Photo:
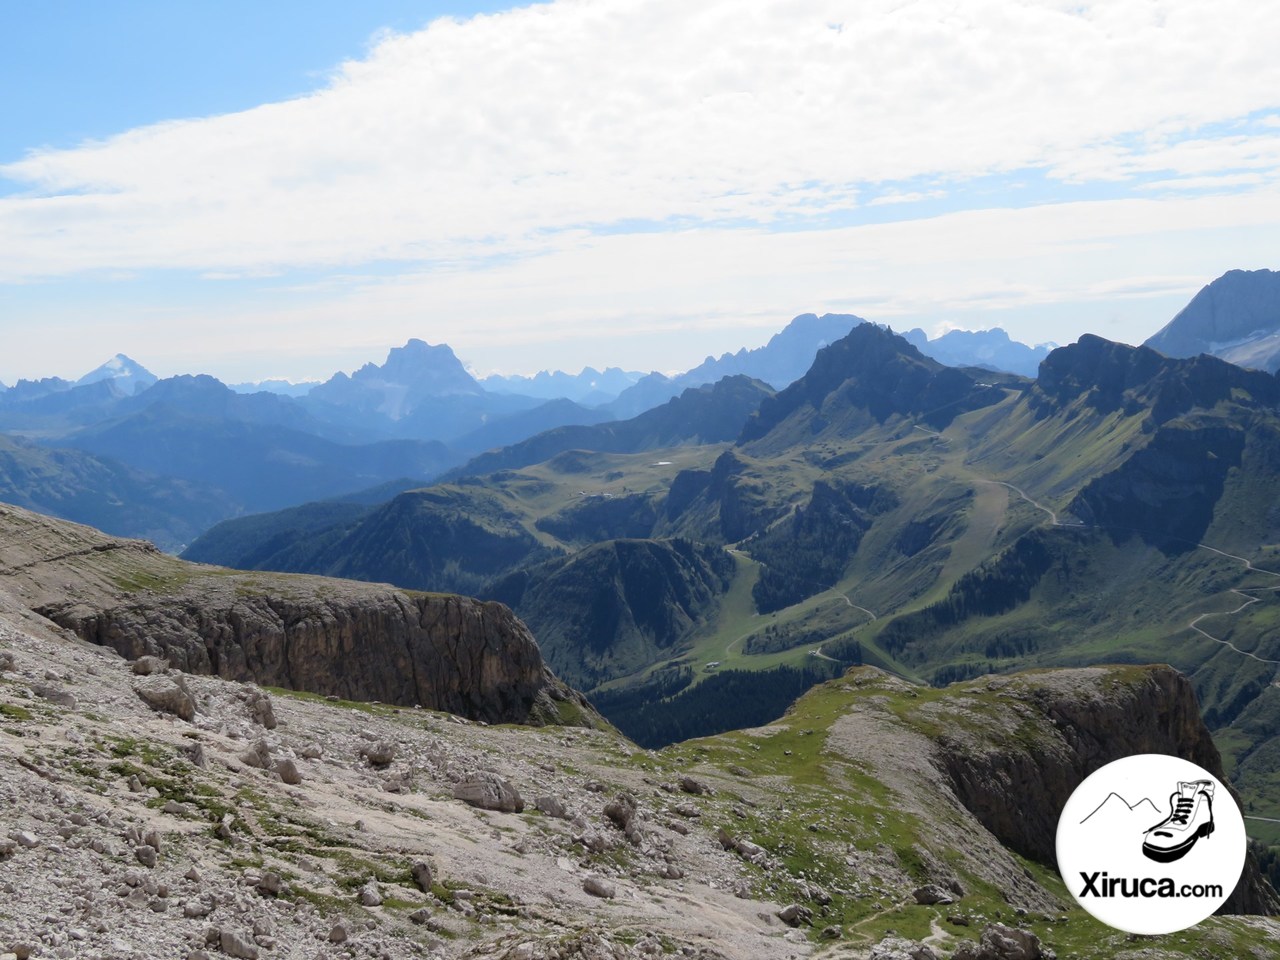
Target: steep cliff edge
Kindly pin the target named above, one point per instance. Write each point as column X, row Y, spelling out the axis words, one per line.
column 331, row 637
column 1014, row 748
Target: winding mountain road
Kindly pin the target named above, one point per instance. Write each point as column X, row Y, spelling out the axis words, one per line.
column 1248, row 601
column 1193, row 624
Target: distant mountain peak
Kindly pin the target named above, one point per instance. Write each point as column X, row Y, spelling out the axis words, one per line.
column 124, row 371
column 411, row 374
column 993, row 349
column 781, row 361
column 871, row 370
column 590, row 387
column 1235, row 317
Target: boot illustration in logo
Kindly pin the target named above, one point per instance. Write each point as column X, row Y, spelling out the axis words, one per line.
column 1190, row 818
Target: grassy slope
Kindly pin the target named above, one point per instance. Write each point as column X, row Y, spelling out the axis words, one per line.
column 836, row 808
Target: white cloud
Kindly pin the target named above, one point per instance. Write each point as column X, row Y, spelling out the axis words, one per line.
column 666, row 300
column 519, row 132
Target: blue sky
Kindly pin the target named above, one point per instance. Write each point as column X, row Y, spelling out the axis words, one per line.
column 287, row 189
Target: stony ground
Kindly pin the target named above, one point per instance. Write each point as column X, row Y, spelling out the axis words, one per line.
column 290, row 826
column 146, row 813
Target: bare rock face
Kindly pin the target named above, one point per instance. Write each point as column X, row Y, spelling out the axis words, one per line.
column 357, row 642
column 1060, row 727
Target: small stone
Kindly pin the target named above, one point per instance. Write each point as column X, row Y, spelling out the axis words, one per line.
column 900, row 948
column 195, row 753
column 1011, row 943
column 55, row 694
column 751, row 852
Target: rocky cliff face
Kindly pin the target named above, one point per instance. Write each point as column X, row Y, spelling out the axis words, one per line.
column 1014, row 762
column 331, row 637
column 442, row 652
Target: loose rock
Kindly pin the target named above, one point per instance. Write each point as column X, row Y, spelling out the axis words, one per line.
column 164, row 694
column 235, row 945
column 488, row 791
column 599, row 887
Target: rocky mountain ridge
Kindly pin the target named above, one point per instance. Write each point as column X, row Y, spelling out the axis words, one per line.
column 328, row 637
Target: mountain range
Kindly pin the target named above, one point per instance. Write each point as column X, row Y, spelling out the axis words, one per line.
column 241, row 449
column 883, row 509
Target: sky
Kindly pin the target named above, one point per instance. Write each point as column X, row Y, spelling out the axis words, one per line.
column 288, row 189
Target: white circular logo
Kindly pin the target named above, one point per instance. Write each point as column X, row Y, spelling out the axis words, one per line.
column 1151, row 844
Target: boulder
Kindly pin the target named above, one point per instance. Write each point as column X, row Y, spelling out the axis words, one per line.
column 488, row 791
column 166, row 694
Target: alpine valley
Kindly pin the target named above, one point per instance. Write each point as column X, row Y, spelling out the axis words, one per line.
column 849, row 625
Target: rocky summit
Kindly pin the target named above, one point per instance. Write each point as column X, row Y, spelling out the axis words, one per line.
column 157, row 806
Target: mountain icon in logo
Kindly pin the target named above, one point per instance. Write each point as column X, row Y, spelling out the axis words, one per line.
column 1117, row 810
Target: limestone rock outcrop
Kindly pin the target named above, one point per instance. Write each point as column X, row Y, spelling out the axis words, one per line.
column 1015, row 762
column 373, row 643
